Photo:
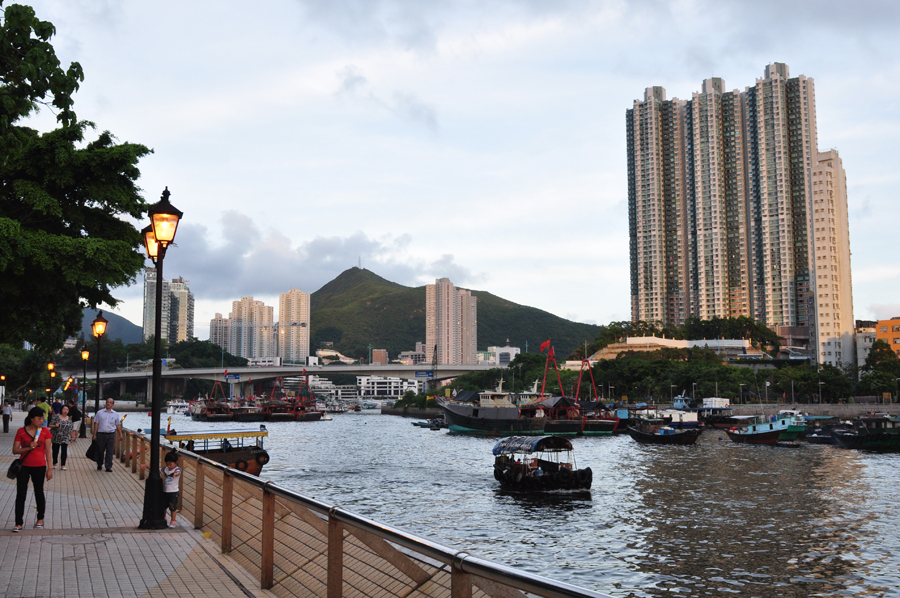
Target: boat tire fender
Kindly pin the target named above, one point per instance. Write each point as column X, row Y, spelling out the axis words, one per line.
column 498, row 475
column 262, row 458
column 565, row 477
column 582, row 476
column 241, row 465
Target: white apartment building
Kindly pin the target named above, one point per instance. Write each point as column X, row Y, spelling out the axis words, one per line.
column 499, row 356
column 293, row 326
column 380, row 387
column 248, row 332
column 835, row 342
column 181, row 310
column 451, row 324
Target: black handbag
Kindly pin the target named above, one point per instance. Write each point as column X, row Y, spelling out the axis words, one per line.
column 14, row 468
column 91, row 452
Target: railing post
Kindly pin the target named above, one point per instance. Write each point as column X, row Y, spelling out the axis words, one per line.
column 118, row 444
column 267, row 558
column 181, row 488
column 198, row 496
column 134, row 450
column 460, row 582
column 335, row 557
column 227, row 501
column 143, row 452
column 129, row 440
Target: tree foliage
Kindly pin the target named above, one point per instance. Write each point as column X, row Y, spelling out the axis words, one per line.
column 882, row 358
column 63, row 243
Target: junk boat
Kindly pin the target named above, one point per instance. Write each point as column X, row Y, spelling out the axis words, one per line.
column 758, row 429
column 178, row 408
column 658, row 430
column 529, row 464
column 240, row 449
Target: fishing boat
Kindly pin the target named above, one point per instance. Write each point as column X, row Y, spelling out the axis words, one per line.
column 877, row 432
column 210, row 410
column 529, row 464
column 659, row 430
column 241, row 449
column 759, row 429
column 490, row 413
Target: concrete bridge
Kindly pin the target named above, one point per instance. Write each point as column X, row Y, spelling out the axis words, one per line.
column 243, row 375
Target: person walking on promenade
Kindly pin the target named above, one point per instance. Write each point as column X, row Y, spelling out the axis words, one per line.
column 63, row 428
column 32, row 442
column 45, row 406
column 7, row 414
column 74, row 412
column 106, row 424
column 56, row 406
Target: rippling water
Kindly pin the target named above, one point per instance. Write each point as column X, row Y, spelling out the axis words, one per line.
column 715, row 518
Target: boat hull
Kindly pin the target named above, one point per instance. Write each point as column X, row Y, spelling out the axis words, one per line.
column 871, row 441
column 249, row 461
column 464, row 419
column 770, row 438
column 513, row 481
column 681, row 436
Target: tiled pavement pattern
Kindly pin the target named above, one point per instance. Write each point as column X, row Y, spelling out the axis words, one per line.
column 91, row 545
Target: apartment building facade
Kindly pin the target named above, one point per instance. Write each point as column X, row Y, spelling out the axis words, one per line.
column 177, row 308
column 451, row 323
column 293, row 326
column 720, row 198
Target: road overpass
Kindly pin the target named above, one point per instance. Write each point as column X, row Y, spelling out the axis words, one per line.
column 245, row 374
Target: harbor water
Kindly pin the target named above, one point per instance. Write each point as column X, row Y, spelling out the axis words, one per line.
column 716, row 518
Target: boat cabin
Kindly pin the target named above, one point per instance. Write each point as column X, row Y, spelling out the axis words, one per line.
column 242, row 449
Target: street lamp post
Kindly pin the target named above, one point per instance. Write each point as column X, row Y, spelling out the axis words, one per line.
column 694, row 390
column 158, row 236
column 50, row 367
column 672, row 393
column 82, row 432
column 821, row 384
column 98, row 327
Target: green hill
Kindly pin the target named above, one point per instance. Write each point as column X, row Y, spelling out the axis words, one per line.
column 359, row 308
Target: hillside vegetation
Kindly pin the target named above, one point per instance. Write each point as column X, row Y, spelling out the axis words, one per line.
column 359, row 308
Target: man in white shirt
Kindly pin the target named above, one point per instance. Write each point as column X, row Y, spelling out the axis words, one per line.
column 106, row 424
column 7, row 414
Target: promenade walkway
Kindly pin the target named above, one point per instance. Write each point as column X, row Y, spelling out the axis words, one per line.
column 91, row 545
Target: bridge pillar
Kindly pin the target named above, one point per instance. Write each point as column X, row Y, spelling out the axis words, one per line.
column 121, row 388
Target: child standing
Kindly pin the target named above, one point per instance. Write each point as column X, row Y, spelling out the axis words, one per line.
column 170, row 474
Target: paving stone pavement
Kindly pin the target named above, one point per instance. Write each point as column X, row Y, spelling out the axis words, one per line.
column 91, row 545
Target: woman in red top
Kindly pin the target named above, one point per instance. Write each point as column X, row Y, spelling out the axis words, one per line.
column 33, row 443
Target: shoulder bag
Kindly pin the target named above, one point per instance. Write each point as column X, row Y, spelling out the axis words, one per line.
column 16, row 466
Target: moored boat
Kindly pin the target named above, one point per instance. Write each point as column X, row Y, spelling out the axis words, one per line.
column 491, row 413
column 210, row 411
column 658, row 430
column 879, row 432
column 243, row 450
column 529, row 464
column 759, row 429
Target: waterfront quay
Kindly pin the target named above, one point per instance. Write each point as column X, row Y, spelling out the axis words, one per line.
column 237, row 536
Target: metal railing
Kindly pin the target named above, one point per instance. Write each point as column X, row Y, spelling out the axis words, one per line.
column 322, row 550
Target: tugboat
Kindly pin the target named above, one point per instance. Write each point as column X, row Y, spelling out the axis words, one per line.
column 528, row 464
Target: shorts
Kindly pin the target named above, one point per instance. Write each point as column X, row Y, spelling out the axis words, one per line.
column 172, row 501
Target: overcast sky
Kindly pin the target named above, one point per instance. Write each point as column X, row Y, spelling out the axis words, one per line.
column 482, row 141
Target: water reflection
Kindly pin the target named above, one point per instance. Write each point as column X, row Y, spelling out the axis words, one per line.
column 713, row 518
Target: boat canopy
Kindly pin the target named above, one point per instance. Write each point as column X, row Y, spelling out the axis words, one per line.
column 217, row 435
column 530, row 444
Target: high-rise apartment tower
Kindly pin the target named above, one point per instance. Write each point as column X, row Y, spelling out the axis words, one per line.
column 720, row 199
column 451, row 324
column 293, row 326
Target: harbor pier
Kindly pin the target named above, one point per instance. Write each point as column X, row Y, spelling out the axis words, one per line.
column 237, row 535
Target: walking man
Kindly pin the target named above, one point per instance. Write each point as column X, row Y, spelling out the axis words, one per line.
column 106, row 424
column 7, row 413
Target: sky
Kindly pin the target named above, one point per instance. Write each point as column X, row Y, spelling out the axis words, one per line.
column 479, row 141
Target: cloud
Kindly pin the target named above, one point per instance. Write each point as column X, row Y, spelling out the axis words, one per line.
column 884, row 311
column 243, row 260
column 403, row 104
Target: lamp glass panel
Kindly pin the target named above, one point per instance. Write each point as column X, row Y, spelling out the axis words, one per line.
column 150, row 243
column 99, row 328
column 164, row 226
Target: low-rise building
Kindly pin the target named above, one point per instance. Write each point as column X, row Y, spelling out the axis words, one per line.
column 889, row 332
column 381, row 387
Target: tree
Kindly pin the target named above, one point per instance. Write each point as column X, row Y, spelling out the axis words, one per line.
column 63, row 244
column 882, row 358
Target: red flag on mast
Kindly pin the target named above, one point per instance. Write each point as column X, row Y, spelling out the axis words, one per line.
column 551, row 353
column 545, row 345
column 226, row 372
